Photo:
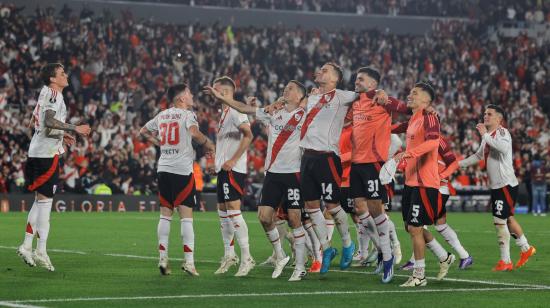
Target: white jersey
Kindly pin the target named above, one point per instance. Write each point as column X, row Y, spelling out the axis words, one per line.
column 228, row 139
column 41, row 145
column 324, row 120
column 496, row 148
column 176, row 151
column 283, row 150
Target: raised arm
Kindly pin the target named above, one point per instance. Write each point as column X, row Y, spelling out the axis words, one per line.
column 229, row 101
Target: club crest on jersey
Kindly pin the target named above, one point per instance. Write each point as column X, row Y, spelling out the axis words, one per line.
column 327, row 97
column 298, row 117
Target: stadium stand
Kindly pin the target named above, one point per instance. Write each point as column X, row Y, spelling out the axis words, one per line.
column 120, row 68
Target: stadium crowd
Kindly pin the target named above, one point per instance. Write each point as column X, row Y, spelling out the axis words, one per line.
column 120, row 68
column 531, row 10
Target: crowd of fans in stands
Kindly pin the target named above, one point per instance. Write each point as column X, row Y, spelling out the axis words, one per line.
column 119, row 69
column 529, row 10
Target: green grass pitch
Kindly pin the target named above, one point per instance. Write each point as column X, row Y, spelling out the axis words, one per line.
column 110, row 260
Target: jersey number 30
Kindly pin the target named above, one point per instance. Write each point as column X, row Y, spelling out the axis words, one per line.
column 169, row 132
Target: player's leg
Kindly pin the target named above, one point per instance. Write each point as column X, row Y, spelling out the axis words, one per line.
column 311, row 189
column 299, row 234
column 315, row 244
column 168, row 186
column 510, row 194
column 186, row 200
column 375, row 193
column 423, row 212
column 501, row 213
column 233, row 206
column 405, row 208
column 188, row 239
column 271, row 197
column 330, row 224
column 451, row 237
column 446, row 259
column 229, row 258
column 45, row 186
column 163, row 235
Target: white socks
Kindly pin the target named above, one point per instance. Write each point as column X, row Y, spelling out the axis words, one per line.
column 341, row 220
column 315, row 244
column 393, row 234
column 30, row 230
column 330, row 228
column 227, row 233
column 241, row 232
column 300, row 247
column 368, row 222
column 503, row 237
column 522, row 243
column 437, row 250
column 419, row 268
column 320, row 227
column 188, row 239
column 43, row 223
column 452, row 238
column 384, row 233
column 275, row 240
column 163, row 232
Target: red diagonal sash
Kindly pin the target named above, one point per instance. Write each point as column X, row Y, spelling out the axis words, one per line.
column 315, row 110
column 286, row 132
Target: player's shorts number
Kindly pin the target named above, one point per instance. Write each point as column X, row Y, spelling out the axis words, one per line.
column 499, row 206
column 170, row 132
column 327, row 190
column 226, row 190
column 415, row 210
column 373, row 185
column 293, row 194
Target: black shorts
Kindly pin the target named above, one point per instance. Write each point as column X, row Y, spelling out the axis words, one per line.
column 424, row 207
column 230, row 186
column 443, row 212
column 365, row 182
column 406, row 201
column 282, row 190
column 503, row 201
column 176, row 190
column 42, row 175
column 320, row 176
column 346, row 201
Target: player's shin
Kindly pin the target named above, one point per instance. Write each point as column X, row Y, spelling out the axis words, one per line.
column 300, row 247
column 30, row 229
column 320, row 227
column 341, row 221
column 241, row 232
column 188, row 239
column 163, row 233
column 228, row 232
column 43, row 223
column 503, row 237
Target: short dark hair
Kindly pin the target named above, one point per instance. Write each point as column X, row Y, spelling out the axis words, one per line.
column 225, row 81
column 175, row 90
column 48, row 71
column 426, row 87
column 371, row 72
column 338, row 70
column 498, row 109
column 301, row 87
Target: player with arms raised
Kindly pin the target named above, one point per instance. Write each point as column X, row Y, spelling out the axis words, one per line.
column 282, row 165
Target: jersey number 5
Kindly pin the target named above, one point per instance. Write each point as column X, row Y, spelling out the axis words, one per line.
column 170, row 132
